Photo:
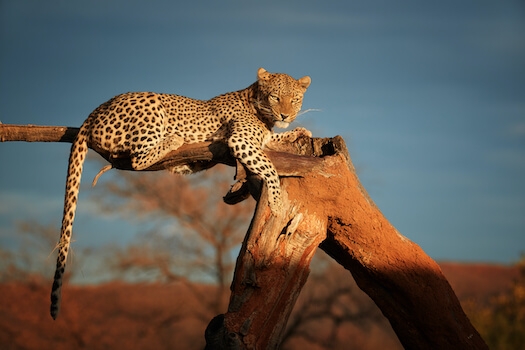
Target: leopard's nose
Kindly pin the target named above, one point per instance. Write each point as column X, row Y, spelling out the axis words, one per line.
column 284, row 116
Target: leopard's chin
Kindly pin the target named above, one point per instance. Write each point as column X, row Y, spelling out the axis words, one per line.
column 281, row 124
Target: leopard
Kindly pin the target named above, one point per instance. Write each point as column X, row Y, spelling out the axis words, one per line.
column 148, row 126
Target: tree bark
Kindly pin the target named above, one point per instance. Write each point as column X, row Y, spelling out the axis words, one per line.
column 325, row 205
column 276, row 252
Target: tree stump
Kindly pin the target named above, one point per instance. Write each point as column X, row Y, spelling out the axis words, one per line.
column 325, row 206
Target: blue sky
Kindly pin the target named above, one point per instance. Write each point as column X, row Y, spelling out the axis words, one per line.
column 430, row 98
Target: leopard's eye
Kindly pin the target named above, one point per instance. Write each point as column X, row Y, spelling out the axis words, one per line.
column 296, row 100
column 274, row 98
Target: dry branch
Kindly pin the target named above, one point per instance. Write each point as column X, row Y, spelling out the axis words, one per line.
column 325, row 205
column 205, row 154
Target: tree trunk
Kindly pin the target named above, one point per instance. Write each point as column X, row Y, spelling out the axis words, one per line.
column 403, row 281
column 325, row 205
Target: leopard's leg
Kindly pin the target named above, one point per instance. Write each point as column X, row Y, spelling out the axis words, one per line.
column 289, row 136
column 147, row 156
column 253, row 158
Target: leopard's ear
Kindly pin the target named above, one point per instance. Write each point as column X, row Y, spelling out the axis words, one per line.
column 304, row 82
column 262, row 74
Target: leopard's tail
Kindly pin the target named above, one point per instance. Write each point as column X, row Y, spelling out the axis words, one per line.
column 76, row 162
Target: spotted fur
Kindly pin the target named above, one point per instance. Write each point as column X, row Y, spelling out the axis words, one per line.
column 148, row 126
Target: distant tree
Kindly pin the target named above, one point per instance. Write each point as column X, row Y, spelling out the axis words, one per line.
column 328, row 305
column 195, row 238
column 202, row 237
column 502, row 322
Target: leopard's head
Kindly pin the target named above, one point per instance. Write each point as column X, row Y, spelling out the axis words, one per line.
column 280, row 97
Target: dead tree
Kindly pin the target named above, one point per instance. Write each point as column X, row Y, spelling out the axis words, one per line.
column 325, row 206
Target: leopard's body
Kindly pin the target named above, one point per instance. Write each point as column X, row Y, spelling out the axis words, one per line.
column 149, row 125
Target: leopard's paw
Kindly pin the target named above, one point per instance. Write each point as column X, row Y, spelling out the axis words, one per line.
column 299, row 132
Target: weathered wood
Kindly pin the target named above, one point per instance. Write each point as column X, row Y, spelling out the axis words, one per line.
column 271, row 270
column 404, row 282
column 37, row 133
column 202, row 154
column 323, row 197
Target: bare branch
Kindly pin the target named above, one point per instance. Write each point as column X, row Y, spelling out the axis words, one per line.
column 202, row 154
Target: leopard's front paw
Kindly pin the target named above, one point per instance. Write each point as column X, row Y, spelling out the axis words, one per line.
column 299, row 132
